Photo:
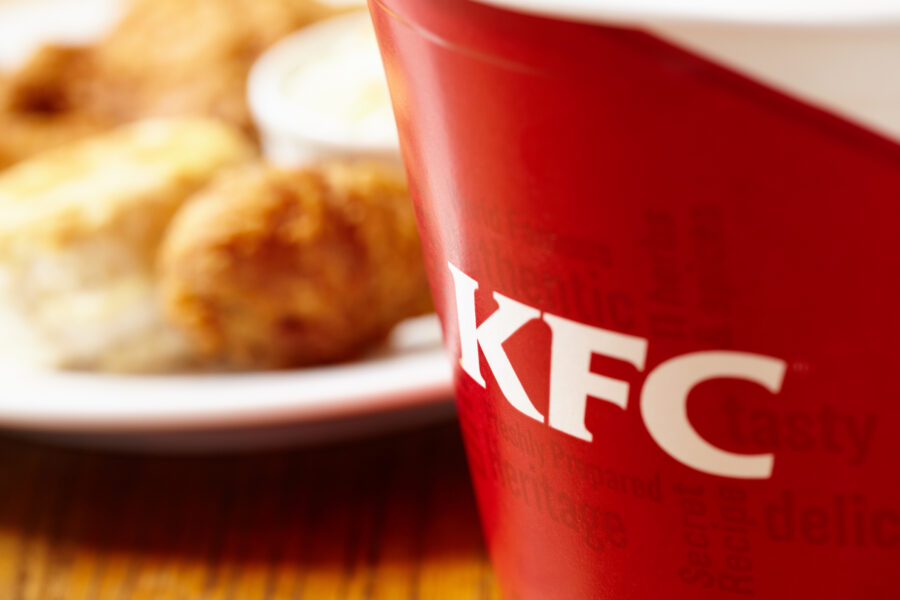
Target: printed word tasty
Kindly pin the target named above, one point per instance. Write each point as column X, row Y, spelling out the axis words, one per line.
column 825, row 429
column 663, row 396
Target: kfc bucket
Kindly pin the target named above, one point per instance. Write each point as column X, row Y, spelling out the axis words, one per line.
column 663, row 244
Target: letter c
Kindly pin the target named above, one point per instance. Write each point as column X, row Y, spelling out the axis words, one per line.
column 664, row 408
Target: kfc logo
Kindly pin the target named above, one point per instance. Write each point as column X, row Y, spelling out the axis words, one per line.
column 573, row 386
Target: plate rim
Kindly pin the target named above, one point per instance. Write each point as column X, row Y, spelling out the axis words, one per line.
column 386, row 384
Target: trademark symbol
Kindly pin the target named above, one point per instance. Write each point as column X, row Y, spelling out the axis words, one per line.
column 801, row 367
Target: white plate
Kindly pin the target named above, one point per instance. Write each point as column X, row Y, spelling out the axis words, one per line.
column 406, row 382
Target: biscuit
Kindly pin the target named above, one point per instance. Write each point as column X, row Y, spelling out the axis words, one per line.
column 80, row 227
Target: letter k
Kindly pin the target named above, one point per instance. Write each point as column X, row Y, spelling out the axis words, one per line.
column 490, row 336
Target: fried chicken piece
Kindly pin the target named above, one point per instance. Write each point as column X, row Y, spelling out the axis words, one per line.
column 80, row 227
column 165, row 58
column 37, row 108
column 177, row 57
column 276, row 268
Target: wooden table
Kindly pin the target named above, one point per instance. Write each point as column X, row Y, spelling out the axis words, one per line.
column 387, row 518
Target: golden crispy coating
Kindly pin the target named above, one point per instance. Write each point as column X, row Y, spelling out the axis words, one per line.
column 41, row 85
column 37, row 110
column 275, row 268
column 176, row 57
column 166, row 58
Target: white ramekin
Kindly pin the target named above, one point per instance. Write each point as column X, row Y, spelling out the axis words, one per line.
column 288, row 92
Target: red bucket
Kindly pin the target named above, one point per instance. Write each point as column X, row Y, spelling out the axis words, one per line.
column 671, row 292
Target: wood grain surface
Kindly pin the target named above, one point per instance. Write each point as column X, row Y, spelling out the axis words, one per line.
column 387, row 518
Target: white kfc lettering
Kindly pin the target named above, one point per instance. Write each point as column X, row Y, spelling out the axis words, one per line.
column 571, row 378
column 664, row 408
column 665, row 392
column 490, row 335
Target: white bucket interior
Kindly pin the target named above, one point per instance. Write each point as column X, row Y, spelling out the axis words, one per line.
column 850, row 71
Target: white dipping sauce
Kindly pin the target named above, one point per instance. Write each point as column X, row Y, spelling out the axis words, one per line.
column 344, row 85
column 322, row 92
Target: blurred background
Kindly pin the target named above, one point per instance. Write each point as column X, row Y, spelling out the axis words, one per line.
column 210, row 288
column 203, row 209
